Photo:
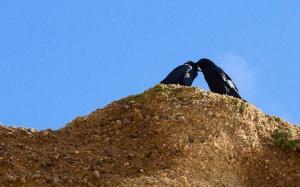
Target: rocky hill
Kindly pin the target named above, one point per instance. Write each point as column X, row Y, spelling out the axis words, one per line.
column 167, row 136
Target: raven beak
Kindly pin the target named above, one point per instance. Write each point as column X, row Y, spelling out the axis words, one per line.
column 199, row 69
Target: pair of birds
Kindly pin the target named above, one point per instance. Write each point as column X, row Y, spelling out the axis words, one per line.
column 218, row 81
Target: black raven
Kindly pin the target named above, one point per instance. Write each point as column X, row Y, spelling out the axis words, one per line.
column 183, row 74
column 217, row 80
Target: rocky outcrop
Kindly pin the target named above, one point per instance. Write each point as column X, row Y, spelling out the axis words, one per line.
column 167, row 136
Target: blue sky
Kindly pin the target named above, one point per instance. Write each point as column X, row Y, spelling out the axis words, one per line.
column 62, row 59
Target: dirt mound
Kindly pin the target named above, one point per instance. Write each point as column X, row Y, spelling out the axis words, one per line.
column 167, row 136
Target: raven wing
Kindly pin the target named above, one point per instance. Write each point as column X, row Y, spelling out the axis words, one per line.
column 177, row 74
column 227, row 79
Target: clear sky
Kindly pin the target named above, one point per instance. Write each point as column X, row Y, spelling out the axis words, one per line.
column 62, row 59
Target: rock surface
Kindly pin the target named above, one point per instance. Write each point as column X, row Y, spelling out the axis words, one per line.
column 167, row 136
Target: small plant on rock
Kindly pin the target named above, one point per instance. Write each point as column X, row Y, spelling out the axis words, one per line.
column 284, row 138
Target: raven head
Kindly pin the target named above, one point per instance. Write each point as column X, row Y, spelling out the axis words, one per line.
column 190, row 63
column 205, row 63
